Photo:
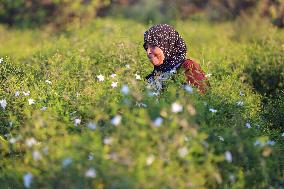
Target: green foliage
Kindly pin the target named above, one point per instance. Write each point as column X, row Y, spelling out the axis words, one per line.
column 266, row 68
column 273, row 112
column 84, row 133
column 164, row 10
column 31, row 13
column 229, row 9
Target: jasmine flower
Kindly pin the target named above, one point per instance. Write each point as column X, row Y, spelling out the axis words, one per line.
column 182, row 152
column 150, row 159
column 91, row 173
column 158, row 122
column 101, row 77
column 116, row 120
column 114, row 84
column 48, row 82
column 77, row 121
column 17, row 93
column 27, row 178
column 125, row 89
column 138, row 77
column 31, row 101
column 228, row 156
column 212, row 110
column 3, row 103
column 176, row 107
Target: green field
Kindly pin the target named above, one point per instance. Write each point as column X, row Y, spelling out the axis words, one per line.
column 62, row 126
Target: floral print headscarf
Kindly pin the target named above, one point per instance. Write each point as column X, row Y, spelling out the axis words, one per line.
column 173, row 46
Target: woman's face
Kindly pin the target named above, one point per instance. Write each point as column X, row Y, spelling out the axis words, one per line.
column 155, row 55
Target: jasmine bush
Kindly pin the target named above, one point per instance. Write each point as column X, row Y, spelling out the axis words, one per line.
column 76, row 112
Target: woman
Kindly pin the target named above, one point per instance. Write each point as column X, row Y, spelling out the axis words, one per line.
column 166, row 50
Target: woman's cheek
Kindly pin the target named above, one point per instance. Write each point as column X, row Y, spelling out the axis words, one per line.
column 155, row 61
column 161, row 58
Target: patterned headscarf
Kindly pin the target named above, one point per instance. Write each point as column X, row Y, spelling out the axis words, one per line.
column 173, row 46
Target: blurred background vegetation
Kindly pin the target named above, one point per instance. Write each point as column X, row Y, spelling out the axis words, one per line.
column 31, row 13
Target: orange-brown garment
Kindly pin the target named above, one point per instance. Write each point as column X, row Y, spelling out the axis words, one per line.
column 195, row 75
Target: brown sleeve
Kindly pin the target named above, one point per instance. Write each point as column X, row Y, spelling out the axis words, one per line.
column 195, row 75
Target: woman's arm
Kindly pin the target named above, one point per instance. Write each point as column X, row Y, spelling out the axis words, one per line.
column 195, row 75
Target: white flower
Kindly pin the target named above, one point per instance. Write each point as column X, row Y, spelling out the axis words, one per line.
column 241, row 93
column 282, row 134
column 113, row 75
column 125, row 89
column 176, row 107
column 108, row 140
column 67, row 161
column 138, row 77
column 188, row 88
column 43, row 108
column 141, row 105
column 77, row 121
column 48, row 82
column 228, row 156
column 26, row 93
column 232, row 178
column 212, row 110
column 28, row 177
column 12, row 140
column 30, row 142
column 151, row 93
column 158, row 121
column 17, row 93
column 270, row 142
column 240, row 103
column 36, row 155
column 3, row 103
column 221, row 138
column 91, row 173
column 127, row 66
column 259, row 143
column 92, row 126
column 1, row 60
column 182, row 152
column 248, row 125
column 31, row 101
column 208, row 75
column 116, row 120
column 114, row 84
column 100, row 77
column 150, row 159
column 90, row 156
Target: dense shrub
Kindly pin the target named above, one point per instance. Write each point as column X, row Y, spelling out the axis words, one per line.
column 83, row 132
column 273, row 111
column 265, row 68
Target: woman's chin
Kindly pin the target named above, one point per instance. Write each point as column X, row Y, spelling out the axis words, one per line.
column 156, row 63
